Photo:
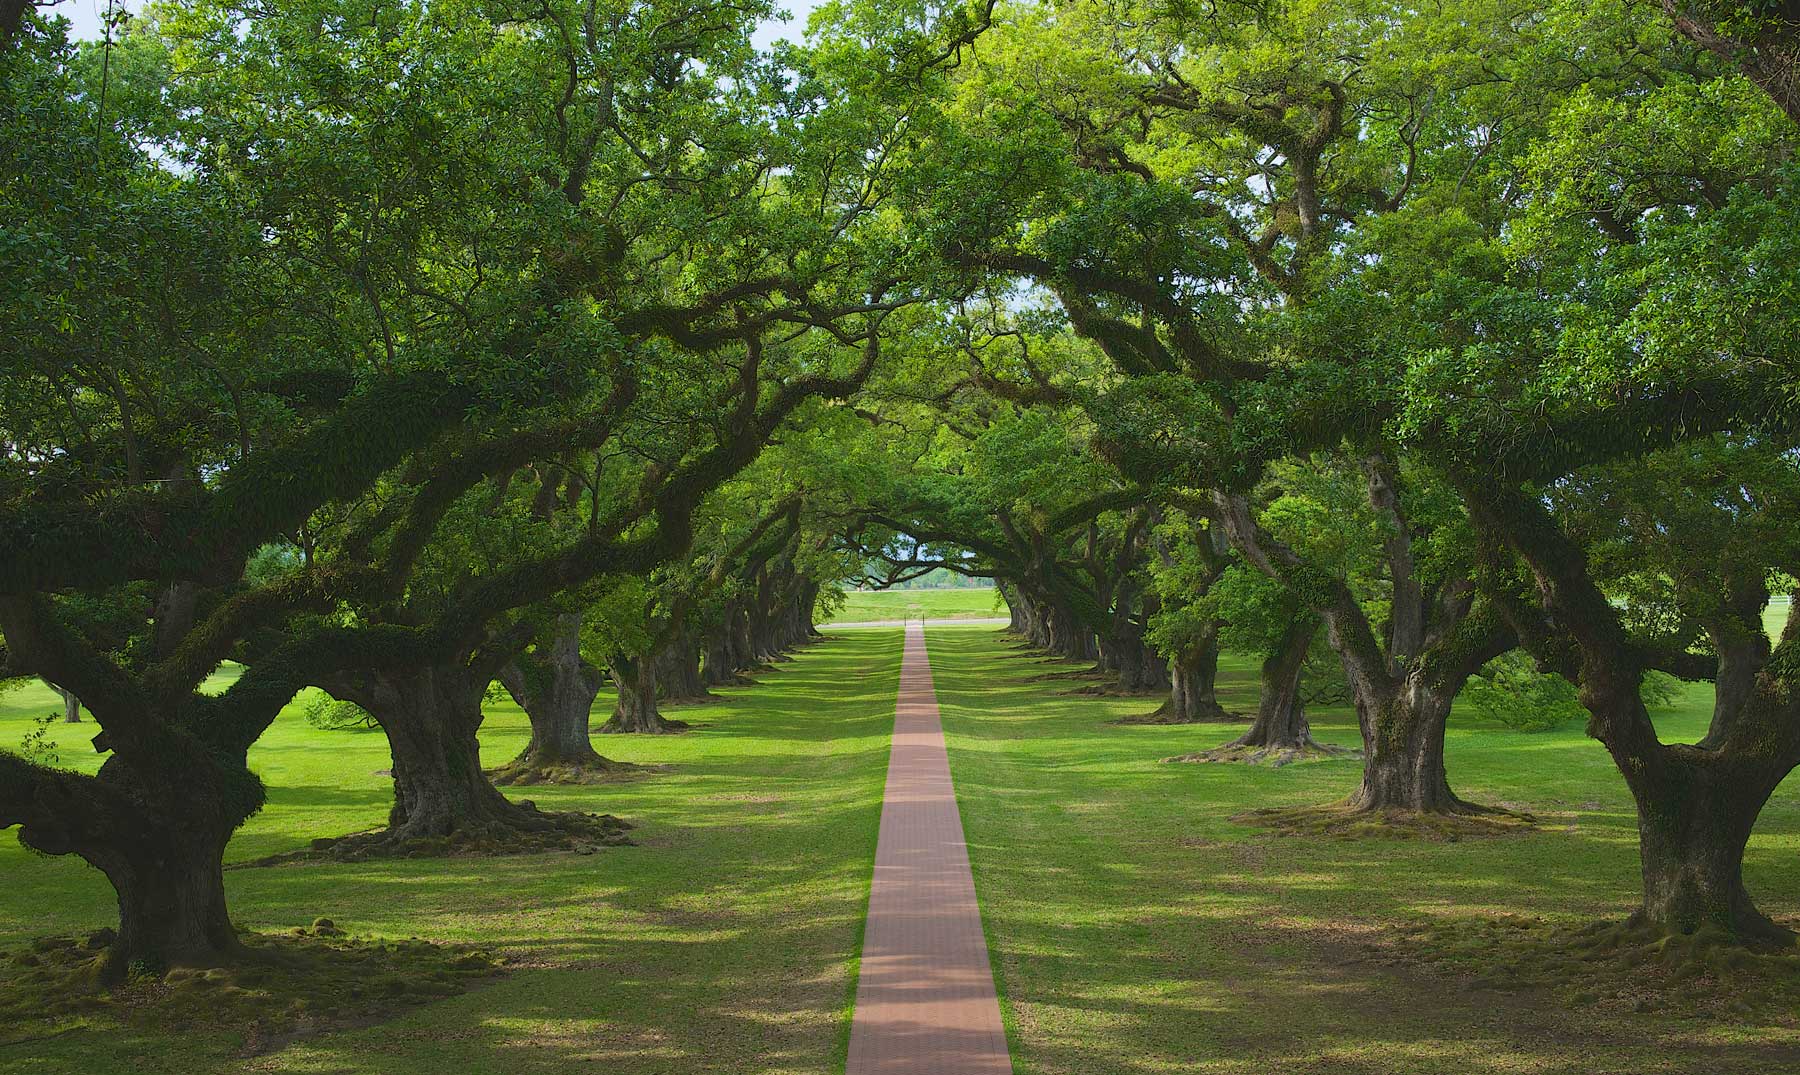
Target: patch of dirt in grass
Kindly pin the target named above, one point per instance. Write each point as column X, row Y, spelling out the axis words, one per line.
column 754, row 798
column 1607, row 965
column 311, row 980
column 583, row 834
column 1345, row 823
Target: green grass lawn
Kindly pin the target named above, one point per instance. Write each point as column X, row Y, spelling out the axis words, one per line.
column 1136, row 929
column 944, row 604
column 1776, row 615
column 724, row 942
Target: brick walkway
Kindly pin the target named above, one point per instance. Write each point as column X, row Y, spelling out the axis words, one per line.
column 925, row 1004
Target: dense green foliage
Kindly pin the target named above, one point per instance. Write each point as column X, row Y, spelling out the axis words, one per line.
column 423, row 355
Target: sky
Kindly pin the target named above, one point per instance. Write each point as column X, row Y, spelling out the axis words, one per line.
column 86, row 16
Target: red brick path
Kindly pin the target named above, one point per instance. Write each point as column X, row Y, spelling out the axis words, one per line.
column 925, row 1004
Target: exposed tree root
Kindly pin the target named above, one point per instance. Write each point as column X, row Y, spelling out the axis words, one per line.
column 524, row 772
column 1167, row 716
column 1112, row 688
column 533, row 832
column 664, row 726
column 310, row 981
column 705, row 698
column 1273, row 756
column 1074, row 673
column 1607, row 964
column 1342, row 821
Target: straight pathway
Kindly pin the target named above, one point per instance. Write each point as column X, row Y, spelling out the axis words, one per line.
column 925, row 1002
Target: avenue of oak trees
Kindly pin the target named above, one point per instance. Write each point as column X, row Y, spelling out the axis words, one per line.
column 402, row 351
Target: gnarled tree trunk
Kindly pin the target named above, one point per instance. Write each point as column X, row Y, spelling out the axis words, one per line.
column 171, row 889
column 1281, row 731
column 1694, row 819
column 678, row 678
column 431, row 716
column 1403, row 744
column 1696, row 807
column 556, row 687
column 71, row 704
column 1193, row 685
column 636, row 711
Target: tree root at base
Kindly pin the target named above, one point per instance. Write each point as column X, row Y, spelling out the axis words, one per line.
column 525, row 772
column 530, row 832
column 1605, row 965
column 1273, row 756
column 1343, row 821
column 1162, row 716
column 283, row 987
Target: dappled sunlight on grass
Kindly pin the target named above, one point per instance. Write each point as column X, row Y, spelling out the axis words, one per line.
column 723, row 942
column 1136, row 928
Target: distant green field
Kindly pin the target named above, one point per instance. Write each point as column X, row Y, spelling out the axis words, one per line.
column 965, row 604
column 1775, row 616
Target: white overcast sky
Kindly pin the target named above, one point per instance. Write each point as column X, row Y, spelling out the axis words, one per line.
column 86, row 17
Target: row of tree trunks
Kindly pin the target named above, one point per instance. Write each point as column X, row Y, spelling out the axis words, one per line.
column 1054, row 628
column 727, row 651
column 759, row 628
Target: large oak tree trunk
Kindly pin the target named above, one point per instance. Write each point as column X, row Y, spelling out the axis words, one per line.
column 1281, row 723
column 159, row 838
column 1693, row 822
column 636, row 711
column 556, row 687
column 1696, row 808
column 171, row 889
column 1403, row 743
column 678, row 677
column 439, row 787
column 431, row 716
column 1194, row 684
